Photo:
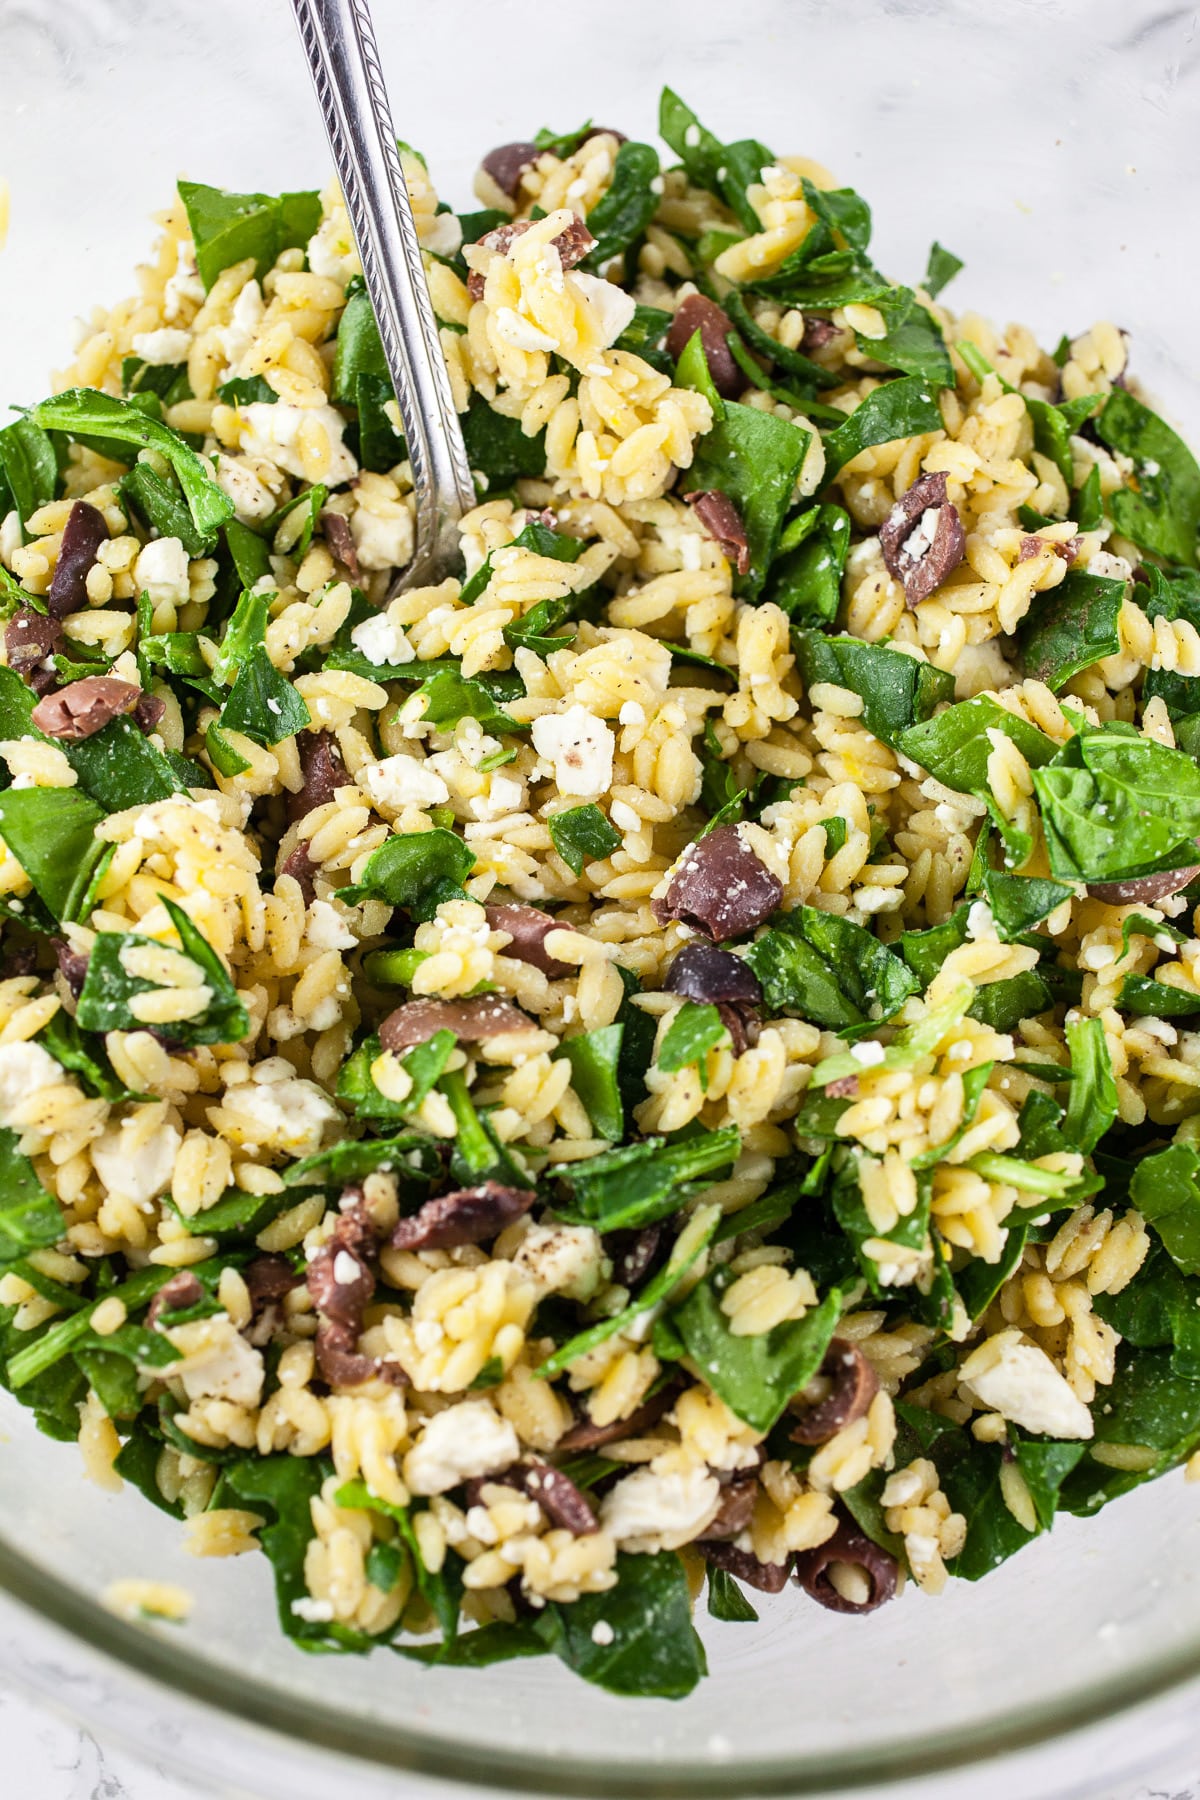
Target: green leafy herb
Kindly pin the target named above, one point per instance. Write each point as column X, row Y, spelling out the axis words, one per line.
column 1161, row 512
column 1071, row 627
column 755, row 458
column 263, row 704
column 895, row 409
column 726, row 1601
column 108, row 989
column 52, row 834
column 28, row 466
column 30, row 1218
column 84, row 414
column 642, row 1183
column 1115, row 804
column 449, row 697
column 943, row 266
column 692, row 1033
column 424, row 1064
column 1166, row 1190
column 582, row 834
column 650, row 1647
column 417, row 871
column 829, row 970
column 756, row 1375
column 806, row 578
column 498, row 449
column 594, row 1057
column 622, row 213
column 227, row 228
column 897, row 690
column 1019, row 902
column 160, row 505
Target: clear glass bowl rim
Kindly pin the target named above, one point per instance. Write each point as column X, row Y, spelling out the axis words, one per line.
column 388, row 1746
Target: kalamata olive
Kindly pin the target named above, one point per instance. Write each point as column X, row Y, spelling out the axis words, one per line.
column 527, row 926
column 507, row 163
column 471, row 1020
column 31, row 641
column 83, row 708
column 768, row 1578
column 323, row 770
column 723, row 522
column 699, row 314
column 83, row 534
column 720, row 887
column 468, row 1216
column 851, row 1546
column 563, row 1503
column 853, row 1384
column 922, row 538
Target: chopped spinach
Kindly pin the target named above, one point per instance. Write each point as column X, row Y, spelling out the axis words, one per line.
column 582, row 834
column 1161, row 511
column 830, row 971
column 897, row 690
column 595, row 1058
column 755, row 1375
column 418, row 871
column 639, row 1184
column 228, row 228
column 1071, row 627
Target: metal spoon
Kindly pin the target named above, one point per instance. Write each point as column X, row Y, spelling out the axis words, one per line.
column 343, row 60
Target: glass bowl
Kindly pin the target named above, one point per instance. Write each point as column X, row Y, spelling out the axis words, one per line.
column 1051, row 147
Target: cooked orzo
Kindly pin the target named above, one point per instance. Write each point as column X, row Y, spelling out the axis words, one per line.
column 670, row 1056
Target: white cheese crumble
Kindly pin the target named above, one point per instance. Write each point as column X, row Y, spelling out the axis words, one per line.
column 24, row 1068
column 185, row 284
column 271, row 430
column 632, row 713
column 580, row 748
column 650, row 1512
column 603, row 1633
column 345, row 1269
column 326, row 929
column 217, row 1363
column 464, row 1441
column 136, row 1164
column 162, row 571
column 868, row 1054
column 290, row 1114
column 382, row 541
column 252, row 498
column 981, row 925
column 562, row 1259
column 242, row 329
column 611, row 306
column 382, row 641
column 1018, row 1380
column 159, row 348
column 313, row 1612
column 400, row 781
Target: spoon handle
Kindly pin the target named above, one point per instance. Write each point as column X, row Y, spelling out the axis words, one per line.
column 339, row 43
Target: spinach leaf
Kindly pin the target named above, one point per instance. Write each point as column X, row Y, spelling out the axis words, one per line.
column 1148, row 1404
column 558, row 545
column 449, row 697
column 793, row 362
column 442, row 1589
column 896, row 409
column 119, row 767
column 263, row 704
column 380, row 445
column 691, row 1243
column 411, row 1156
column 227, row 228
column 595, row 1057
column 497, row 448
column 28, row 466
column 359, row 349
column 104, row 1004
column 582, row 834
column 970, row 1475
column 478, row 1154
column 726, row 1601
column 283, row 1487
column 483, row 1646
column 1003, row 1004
column 1159, row 1308
column 755, row 1376
column 52, row 834
column 425, row 1064
column 1145, row 997
column 1116, row 804
column 1162, row 512
column 954, row 747
column 755, row 458
column 698, row 150
column 943, row 266
column 1166, row 1190
column 1092, row 1097
column 248, row 390
column 913, row 341
column 642, row 1183
column 85, row 414
column 1019, row 902
column 897, row 690
column 417, row 871
column 651, row 1646
column 60, row 1338
column 830, row 971
column 622, row 213
column 645, row 335
column 29, row 1217
column 692, row 1033
column 70, row 1046
column 1071, row 627
column 910, row 1232
column 160, row 505
column 806, row 577
column 238, row 1217
column 1176, row 596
